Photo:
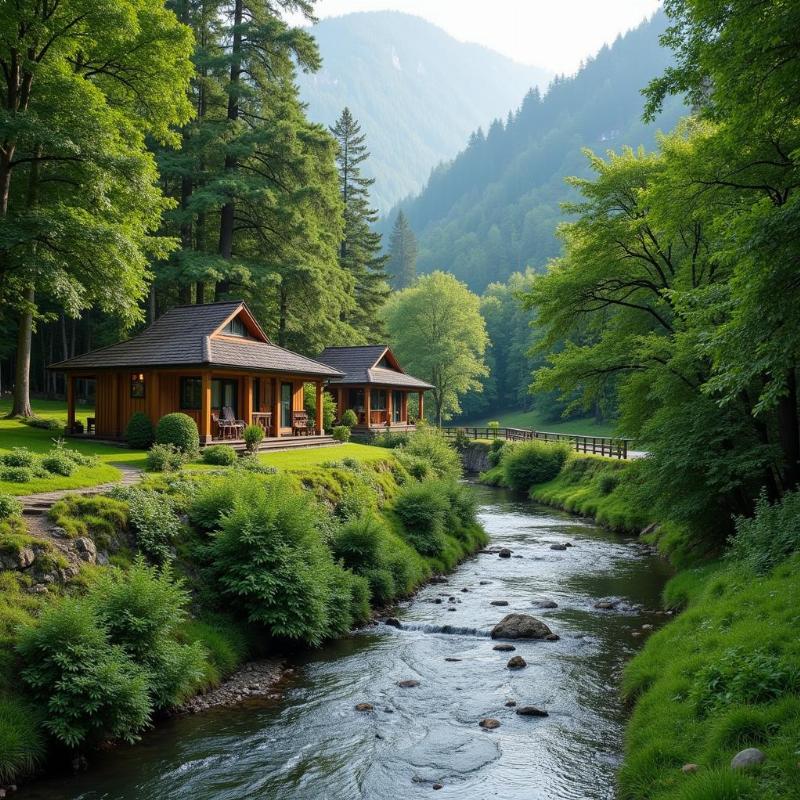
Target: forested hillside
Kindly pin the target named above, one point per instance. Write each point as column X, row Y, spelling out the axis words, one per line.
column 417, row 92
column 495, row 208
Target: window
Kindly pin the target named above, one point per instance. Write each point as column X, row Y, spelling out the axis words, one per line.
column 356, row 399
column 235, row 328
column 256, row 394
column 191, row 393
column 286, row 405
column 137, row 385
column 224, row 394
column 378, row 400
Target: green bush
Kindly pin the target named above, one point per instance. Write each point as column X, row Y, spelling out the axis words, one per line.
column 222, row 455
column 358, row 543
column 253, row 436
column 165, row 458
column 462, row 507
column 358, row 497
column 154, row 520
column 88, row 689
column 496, row 450
column 767, row 538
column 391, row 439
column 527, row 464
column 249, row 463
column 224, row 641
column 341, row 433
column 22, row 746
column 16, row 474
column 216, row 497
column 607, row 482
column 310, row 405
column 58, row 463
column 422, row 509
column 347, row 603
column 9, row 506
column 42, row 422
column 139, row 432
column 429, row 444
column 417, row 467
column 180, row 431
column 382, row 587
column 349, row 418
column 19, row 457
column 269, row 563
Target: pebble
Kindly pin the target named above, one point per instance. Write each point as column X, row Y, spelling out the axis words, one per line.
column 489, row 724
column 484, row 583
column 465, row 589
column 437, row 786
column 504, row 648
column 364, row 707
column 409, row 683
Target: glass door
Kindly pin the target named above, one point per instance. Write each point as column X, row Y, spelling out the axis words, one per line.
column 286, row 405
column 224, row 393
column 397, row 406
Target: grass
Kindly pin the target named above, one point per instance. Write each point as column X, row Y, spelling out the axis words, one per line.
column 292, row 460
column 14, row 433
column 514, row 418
column 723, row 676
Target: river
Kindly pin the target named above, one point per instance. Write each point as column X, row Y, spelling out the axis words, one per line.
column 314, row 745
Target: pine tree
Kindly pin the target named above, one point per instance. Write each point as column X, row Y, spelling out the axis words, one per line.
column 402, row 264
column 360, row 248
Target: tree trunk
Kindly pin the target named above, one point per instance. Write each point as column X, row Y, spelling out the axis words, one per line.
column 21, row 406
column 789, row 434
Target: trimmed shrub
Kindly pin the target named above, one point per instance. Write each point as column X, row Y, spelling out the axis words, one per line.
column 341, row 433
column 22, row 746
column 165, row 458
column 530, row 463
column 222, row 455
column 9, row 506
column 139, row 432
column 58, row 463
column 253, row 436
column 19, row 457
column 349, row 418
column 310, row 405
column 180, row 431
column 88, row 688
column 16, row 474
column 422, row 509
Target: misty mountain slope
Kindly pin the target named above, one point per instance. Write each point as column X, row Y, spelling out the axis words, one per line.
column 417, row 92
column 494, row 209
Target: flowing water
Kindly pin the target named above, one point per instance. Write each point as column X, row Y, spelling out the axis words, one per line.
column 313, row 745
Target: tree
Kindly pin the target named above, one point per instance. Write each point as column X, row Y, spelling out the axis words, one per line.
column 360, row 248
column 437, row 331
column 84, row 82
column 402, row 263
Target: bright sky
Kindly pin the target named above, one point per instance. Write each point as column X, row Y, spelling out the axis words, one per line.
column 555, row 34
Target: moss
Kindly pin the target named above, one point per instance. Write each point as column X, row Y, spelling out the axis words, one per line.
column 98, row 517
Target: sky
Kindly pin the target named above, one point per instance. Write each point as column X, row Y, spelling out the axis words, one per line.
column 554, row 34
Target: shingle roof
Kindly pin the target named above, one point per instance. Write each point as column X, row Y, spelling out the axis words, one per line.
column 182, row 337
column 358, row 364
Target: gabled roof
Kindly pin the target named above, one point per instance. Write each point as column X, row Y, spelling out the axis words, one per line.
column 191, row 336
column 360, row 366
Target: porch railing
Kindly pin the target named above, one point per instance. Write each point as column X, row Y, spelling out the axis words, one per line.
column 611, row 446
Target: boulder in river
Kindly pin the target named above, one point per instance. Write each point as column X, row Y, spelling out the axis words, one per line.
column 364, row 707
column 437, row 786
column 520, row 626
column 749, row 757
column 484, row 583
column 606, row 605
column 504, row 648
column 510, row 703
column 438, row 579
column 499, row 603
column 516, row 662
column 409, row 683
column 489, row 724
column 531, row 711
column 545, row 602
column 451, row 658
column 392, row 622
column 504, row 552
column 558, row 547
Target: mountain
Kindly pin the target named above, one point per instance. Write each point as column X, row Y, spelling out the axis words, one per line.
column 494, row 209
column 417, row 92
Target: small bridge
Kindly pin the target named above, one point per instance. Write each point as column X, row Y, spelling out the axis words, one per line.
column 611, row 446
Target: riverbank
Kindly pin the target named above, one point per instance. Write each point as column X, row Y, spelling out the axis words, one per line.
column 715, row 694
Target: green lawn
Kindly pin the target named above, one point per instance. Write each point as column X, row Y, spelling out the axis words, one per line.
column 15, row 434
column 301, row 459
column 533, row 419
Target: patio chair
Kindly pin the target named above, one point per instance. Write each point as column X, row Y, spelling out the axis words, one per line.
column 300, row 424
column 224, row 427
column 238, row 425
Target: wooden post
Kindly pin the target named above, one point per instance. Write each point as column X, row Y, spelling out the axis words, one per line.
column 115, row 404
column 389, row 406
column 276, row 407
column 421, row 396
column 320, row 407
column 368, row 405
column 247, row 405
column 70, row 403
column 205, row 408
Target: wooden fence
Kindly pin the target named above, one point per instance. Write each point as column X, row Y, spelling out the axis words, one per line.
column 611, row 446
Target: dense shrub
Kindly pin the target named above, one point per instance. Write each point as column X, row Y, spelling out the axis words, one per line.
column 462, row 506
column 391, row 439
column 16, row 474
column 349, row 418
column 358, row 543
column 222, row 455
column 58, row 463
column 22, row 745
column 180, row 431
column 531, row 463
column 347, row 603
column 496, row 450
column 422, row 509
column 772, row 534
column 417, row 467
column 225, row 642
column 154, row 520
column 382, row 587
column 42, row 422
column 341, row 433
column 310, row 405
column 253, row 435
column 88, row 688
column 217, row 496
column 139, row 432
column 19, row 457
column 9, row 506
column 165, row 458
column 607, row 482
column 429, row 445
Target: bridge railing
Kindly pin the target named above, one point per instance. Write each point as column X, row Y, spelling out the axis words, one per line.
column 611, row 446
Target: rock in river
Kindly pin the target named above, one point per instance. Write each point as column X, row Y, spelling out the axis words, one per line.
column 504, row 648
column 499, row 603
column 504, row 552
column 558, row 547
column 516, row 662
column 409, row 683
column 520, row 626
column 489, row 724
column 364, row 707
column 531, row 711
column 545, row 603
column 392, row 622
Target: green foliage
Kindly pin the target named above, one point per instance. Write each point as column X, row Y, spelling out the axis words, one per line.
column 422, row 509
column 402, row 263
column 139, row 432
column 496, row 451
column 22, row 746
column 43, row 423
column 217, row 496
column 19, row 457
column 179, row 430
column 154, row 520
column 341, row 433
column 607, row 482
column 58, row 463
column 222, row 455
column 349, row 418
column 253, row 435
column 310, row 405
column 359, row 543
column 430, row 445
column 437, row 332
column 769, row 536
column 418, row 468
column 531, row 463
column 391, row 439
column 165, row 458
column 100, row 518
column 9, row 506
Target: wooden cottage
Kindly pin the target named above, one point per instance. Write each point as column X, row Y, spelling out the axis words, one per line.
column 213, row 362
column 373, row 385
